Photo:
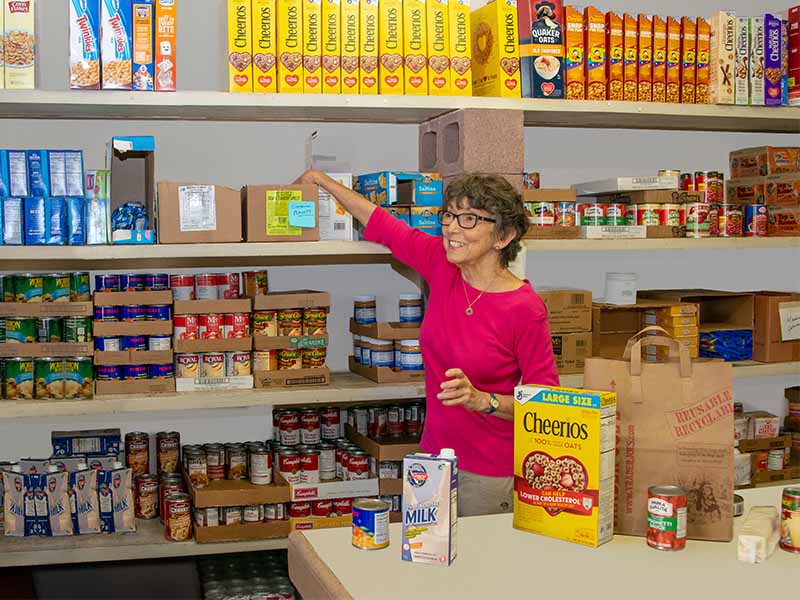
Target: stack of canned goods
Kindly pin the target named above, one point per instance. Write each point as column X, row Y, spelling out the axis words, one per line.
column 46, row 330
column 229, row 326
column 210, row 365
column 291, row 322
column 220, row 516
column 218, row 286
column 47, row 378
column 395, row 421
column 253, row 575
column 233, row 460
column 49, row 287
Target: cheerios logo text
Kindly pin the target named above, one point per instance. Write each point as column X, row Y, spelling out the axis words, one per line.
column 566, row 429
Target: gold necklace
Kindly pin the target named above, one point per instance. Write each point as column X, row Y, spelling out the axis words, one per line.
column 469, row 312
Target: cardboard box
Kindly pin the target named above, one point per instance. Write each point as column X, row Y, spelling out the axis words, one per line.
column 328, row 490
column 415, row 47
column 132, row 298
column 315, row 523
column 293, row 299
column 574, row 54
column 198, row 213
column 385, row 449
column 762, row 425
column 131, row 160
column 756, row 64
column 166, row 46
column 214, row 384
column 763, row 161
column 11, row 350
column 202, row 307
column 552, row 233
column 568, row 311
column 227, row 492
column 653, row 197
column 133, row 357
column 241, row 532
column 460, row 47
column 292, row 378
column 741, row 71
column 281, row 342
column 110, row 329
column 688, row 60
column 351, row 70
column 331, row 47
column 718, row 310
column 368, row 44
column 312, row 48
column 390, row 47
column 391, row 487
column 84, row 45
column 2, row 63
column 645, row 92
column 143, row 34
column 265, row 33
column 702, row 92
column 783, row 190
column 613, row 232
column 496, row 63
column 773, row 64
column 240, row 46
column 723, row 57
column 660, row 49
column 783, row 222
column 438, row 50
column 784, row 441
column 116, row 44
column 385, row 374
column 749, row 190
column 385, row 331
column 221, row 345
column 46, row 309
column 768, row 344
column 136, row 386
column 571, row 351
column 594, row 28
column 615, row 185
column 20, row 44
column 630, row 27
column 541, row 47
column 281, row 213
column 615, row 48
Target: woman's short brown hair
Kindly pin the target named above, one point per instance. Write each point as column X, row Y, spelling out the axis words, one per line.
column 497, row 196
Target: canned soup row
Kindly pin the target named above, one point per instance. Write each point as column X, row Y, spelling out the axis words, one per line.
column 47, row 378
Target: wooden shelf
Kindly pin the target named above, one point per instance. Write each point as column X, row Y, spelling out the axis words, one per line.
column 662, row 244
column 147, row 543
column 222, row 106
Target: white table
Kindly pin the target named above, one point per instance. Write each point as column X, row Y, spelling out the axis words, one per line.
column 496, row 561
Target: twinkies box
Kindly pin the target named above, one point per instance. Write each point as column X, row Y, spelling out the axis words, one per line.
column 495, row 61
column 116, row 44
column 198, row 213
column 541, row 48
column 84, row 45
column 564, row 464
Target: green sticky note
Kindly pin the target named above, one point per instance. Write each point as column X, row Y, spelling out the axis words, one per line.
column 277, row 208
column 302, row 214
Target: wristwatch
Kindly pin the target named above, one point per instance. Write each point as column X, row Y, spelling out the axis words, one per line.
column 494, row 404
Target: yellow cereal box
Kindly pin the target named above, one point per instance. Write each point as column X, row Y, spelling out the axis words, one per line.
column 240, row 47
column 673, row 60
column 350, row 46
column 438, row 48
column 495, row 53
column 460, row 49
column 265, row 66
column 331, row 52
column 659, row 59
column 645, row 59
column 615, row 55
column 575, row 59
column 2, row 53
column 630, row 27
column 20, row 44
column 368, row 42
column 415, row 47
column 290, row 45
column 702, row 93
column 390, row 46
column 312, row 46
column 688, row 59
column 564, row 463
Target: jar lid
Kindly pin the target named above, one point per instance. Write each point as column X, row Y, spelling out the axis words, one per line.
column 409, row 343
column 383, row 342
column 364, row 299
column 410, row 296
column 357, row 338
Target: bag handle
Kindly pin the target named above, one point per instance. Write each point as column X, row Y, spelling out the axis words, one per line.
column 628, row 347
column 633, row 354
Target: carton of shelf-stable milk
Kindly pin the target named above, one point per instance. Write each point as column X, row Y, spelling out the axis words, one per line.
column 430, row 507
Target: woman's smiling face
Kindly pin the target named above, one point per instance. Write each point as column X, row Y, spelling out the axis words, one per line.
column 467, row 246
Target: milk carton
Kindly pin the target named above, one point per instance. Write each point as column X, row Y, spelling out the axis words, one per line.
column 430, row 507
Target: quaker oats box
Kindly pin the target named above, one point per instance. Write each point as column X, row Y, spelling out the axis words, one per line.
column 541, row 48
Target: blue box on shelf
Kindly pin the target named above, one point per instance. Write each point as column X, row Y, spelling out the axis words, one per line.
column 38, row 173
column 5, row 187
column 17, row 173
column 13, row 221
column 389, row 188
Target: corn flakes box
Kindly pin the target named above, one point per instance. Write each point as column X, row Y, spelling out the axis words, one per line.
column 630, row 29
column 615, row 56
column 495, row 69
column 723, row 58
column 702, row 92
column 291, row 37
column 460, row 25
column 331, row 47
column 574, row 54
column 415, row 47
column 564, row 463
column 350, row 45
column 312, row 46
column 673, row 60
column 143, row 38
column 390, row 47
column 368, row 34
column 688, row 60
column 19, row 24
column 645, row 92
column 265, row 68
column 240, row 47
column 659, row 59
column 541, row 48
column 166, row 42
column 437, row 22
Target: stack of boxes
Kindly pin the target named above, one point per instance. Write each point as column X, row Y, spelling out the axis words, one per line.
column 415, row 198
column 680, row 321
column 569, row 314
column 763, row 451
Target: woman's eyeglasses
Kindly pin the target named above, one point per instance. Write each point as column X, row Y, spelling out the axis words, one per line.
column 465, row 220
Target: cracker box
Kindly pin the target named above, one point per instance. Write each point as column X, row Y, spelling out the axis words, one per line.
column 265, row 68
column 660, row 45
column 415, row 47
column 615, row 56
column 630, row 27
column 756, row 61
column 116, row 44
column 350, row 46
column 331, row 47
column 574, row 54
column 20, row 44
column 741, row 71
column 143, row 36
column 594, row 30
column 438, row 23
column 291, row 42
column 645, row 91
column 673, row 60
column 794, row 56
column 688, row 60
column 564, row 464
column 773, row 69
column 166, row 45
column 84, row 45
column 240, row 47
column 368, row 42
column 703, row 61
column 495, row 62
column 390, row 46
column 541, row 48
column 312, row 46
column 460, row 25
column 723, row 58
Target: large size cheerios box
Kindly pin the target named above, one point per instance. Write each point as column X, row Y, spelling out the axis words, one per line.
column 564, row 441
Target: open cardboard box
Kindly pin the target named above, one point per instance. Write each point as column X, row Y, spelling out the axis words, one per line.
column 46, row 309
column 207, row 307
column 117, row 328
column 133, row 357
column 568, row 310
column 221, row 345
column 329, row 490
column 536, row 232
column 793, row 472
column 213, row 384
column 227, row 492
column 132, row 298
column 292, row 299
column 385, row 449
column 282, row 342
column 385, row 374
column 784, row 441
column 292, row 377
column 242, row 531
column 666, row 231
column 134, row 386
column 653, row 197
column 198, row 214
column 768, row 344
column 718, row 310
column 62, row 349
column 390, row 487
column 385, row 331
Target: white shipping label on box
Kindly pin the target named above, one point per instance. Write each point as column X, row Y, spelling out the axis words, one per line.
column 355, row 488
column 790, row 320
column 197, row 208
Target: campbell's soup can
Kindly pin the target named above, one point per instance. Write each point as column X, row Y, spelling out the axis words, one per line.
column 289, row 424
column 329, row 423
column 542, row 214
column 309, row 464
column 227, row 286
column 342, row 506
column 327, row 461
column 145, row 497
column 565, row 214
column 616, row 214
column 211, row 327
column 205, row 287
column 289, row 465
column 731, row 220
column 236, row 325
column 237, row 364
column 186, row 327
column 212, row 364
column 321, row 508
column 592, row 214
column 755, row 220
column 300, row 510
column 182, row 287
column 310, row 427
column 357, row 465
column 666, row 517
column 673, row 215
column 187, row 365
column 648, row 214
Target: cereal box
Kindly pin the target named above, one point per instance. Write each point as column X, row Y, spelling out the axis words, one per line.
column 415, row 47
column 673, row 60
column 390, row 44
column 630, row 28
column 594, row 30
column 645, row 93
column 574, row 54
column 265, row 68
column 312, row 46
column 541, row 48
column 84, row 45
column 240, row 47
column 615, row 53
column 368, row 42
column 784, row 62
column 166, row 43
column 3, row 56
column 794, row 56
column 659, row 59
column 495, row 70
column 741, row 70
column 20, row 44
column 773, row 70
column 143, row 60
column 331, row 47
column 291, row 41
column 757, row 61
column 460, row 48
column 703, row 61
column 688, row 60
column 723, row 57
column 350, row 46
column 438, row 48
column 564, row 463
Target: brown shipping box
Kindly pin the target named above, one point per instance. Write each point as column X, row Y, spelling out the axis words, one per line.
column 783, row 190
column 571, row 351
column 197, row 214
column 763, row 161
column 568, row 311
column 267, row 208
column 767, row 341
column 718, row 310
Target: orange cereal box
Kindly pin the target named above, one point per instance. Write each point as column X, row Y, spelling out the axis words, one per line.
column 460, row 25
column 645, row 93
column 350, row 46
column 673, row 60
column 438, row 48
column 659, row 59
column 702, row 93
column 390, row 46
column 290, row 46
column 240, row 47
column 575, row 56
column 331, row 51
column 415, row 47
column 615, row 55
column 688, row 59
column 495, row 53
column 594, row 30
column 312, row 46
column 166, row 43
column 368, row 42
column 631, row 33
column 264, row 63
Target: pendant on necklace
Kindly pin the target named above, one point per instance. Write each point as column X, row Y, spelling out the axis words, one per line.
column 469, row 311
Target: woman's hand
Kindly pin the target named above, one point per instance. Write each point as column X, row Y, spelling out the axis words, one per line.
column 353, row 202
column 459, row 391
column 311, row 177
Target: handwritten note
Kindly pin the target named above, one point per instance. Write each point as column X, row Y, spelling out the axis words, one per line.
column 790, row 320
column 302, row 214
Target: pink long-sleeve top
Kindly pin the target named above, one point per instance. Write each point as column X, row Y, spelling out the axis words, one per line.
column 506, row 341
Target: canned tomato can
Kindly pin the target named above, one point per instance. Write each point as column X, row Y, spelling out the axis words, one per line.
column 790, row 519
column 235, row 461
column 237, row 364
column 321, row 508
column 300, row 510
column 205, row 287
column 265, row 322
column 161, row 371
column 159, row 343
column 145, row 497
column 187, row 365
column 260, row 466
column 168, row 483
column 137, row 452
column 133, row 312
column 310, row 427
column 329, row 423
column 230, row 515
column 592, row 214
column 106, row 283
column 686, row 182
column 182, row 287
column 713, row 220
column 130, row 372
column 55, row 287
column 212, row 364
column 159, row 312
column 107, row 314
column 79, row 287
column 50, row 330
column 731, row 220
column 542, row 214
column 673, row 215
column 290, row 359
column 211, row 327
column 134, row 342
column 156, row 282
column 196, row 466
column 131, row 282
column 376, row 422
column 666, row 517
column 315, row 321
column 186, row 327
column 370, row 524
column 236, row 326
column 755, row 220
column 314, row 358
column 565, row 214
column 616, row 214
column 108, row 372
column 309, row 463
column 697, row 219
column 357, row 465
column 256, row 283
column 107, row 344
column 215, row 460
column 289, row 465
column 700, row 181
column 168, row 451
column 289, row 424
column 342, row 506
column 227, row 286
column 178, row 520
column 648, row 214
column 290, row 322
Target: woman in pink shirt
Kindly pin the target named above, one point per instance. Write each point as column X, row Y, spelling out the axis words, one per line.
column 484, row 331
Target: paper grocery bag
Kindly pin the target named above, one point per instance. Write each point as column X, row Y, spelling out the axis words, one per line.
column 674, row 427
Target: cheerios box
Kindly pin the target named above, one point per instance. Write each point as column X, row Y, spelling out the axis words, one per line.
column 390, row 46
column 564, row 443
column 240, row 47
column 415, row 47
column 495, row 58
column 460, row 47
